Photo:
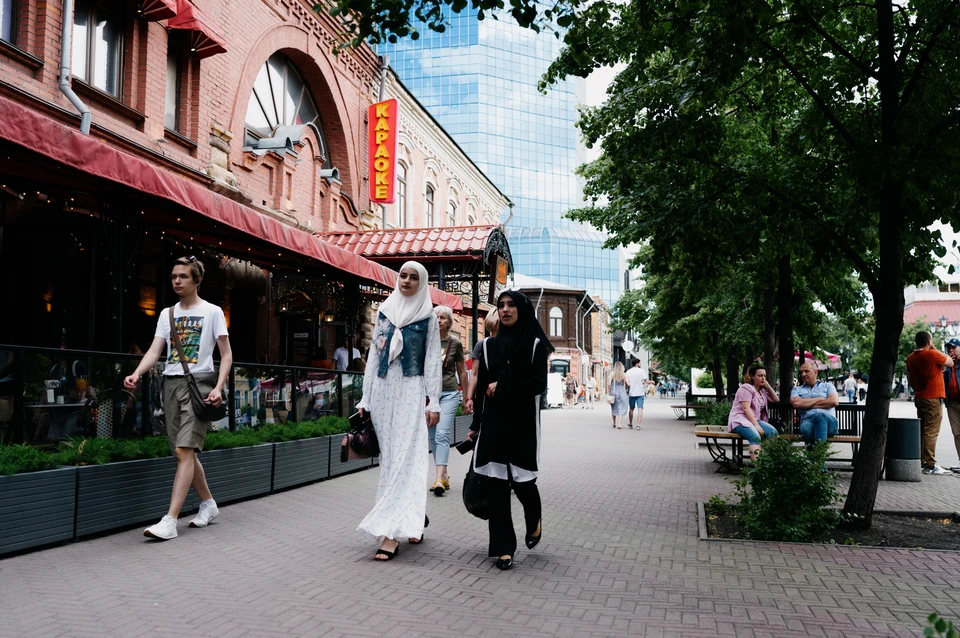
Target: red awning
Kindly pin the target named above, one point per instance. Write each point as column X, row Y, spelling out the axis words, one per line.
column 154, row 10
column 27, row 128
column 205, row 38
column 449, row 243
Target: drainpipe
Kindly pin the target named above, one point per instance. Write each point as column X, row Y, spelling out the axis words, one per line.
column 66, row 49
column 509, row 217
column 536, row 311
column 576, row 323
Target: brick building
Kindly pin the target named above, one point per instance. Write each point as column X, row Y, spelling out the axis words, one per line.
column 228, row 130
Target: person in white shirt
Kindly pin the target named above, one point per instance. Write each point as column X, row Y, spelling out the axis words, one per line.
column 343, row 355
column 200, row 326
column 635, row 383
column 591, row 390
column 850, row 389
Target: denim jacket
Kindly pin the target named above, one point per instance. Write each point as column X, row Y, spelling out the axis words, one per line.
column 414, row 346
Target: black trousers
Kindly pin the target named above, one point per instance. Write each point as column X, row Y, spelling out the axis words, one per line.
column 503, row 538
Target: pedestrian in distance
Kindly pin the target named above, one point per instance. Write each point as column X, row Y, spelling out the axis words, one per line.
column 591, row 391
column 749, row 415
column 618, row 390
column 454, row 373
column 925, row 371
column 200, row 327
column 569, row 390
column 850, row 388
column 953, row 396
column 862, row 390
column 403, row 367
column 635, row 379
column 506, row 424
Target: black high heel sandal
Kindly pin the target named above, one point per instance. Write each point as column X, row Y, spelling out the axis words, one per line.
column 532, row 541
column 505, row 563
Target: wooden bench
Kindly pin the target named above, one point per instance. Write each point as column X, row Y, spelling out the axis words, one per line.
column 713, row 434
column 683, row 411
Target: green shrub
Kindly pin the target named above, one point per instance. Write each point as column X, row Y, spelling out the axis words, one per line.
column 704, row 380
column 17, row 459
column 715, row 413
column 937, row 626
column 785, row 494
column 717, row 505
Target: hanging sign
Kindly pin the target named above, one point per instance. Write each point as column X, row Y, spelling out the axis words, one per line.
column 382, row 127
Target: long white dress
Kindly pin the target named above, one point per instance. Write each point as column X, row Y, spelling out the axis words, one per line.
column 397, row 407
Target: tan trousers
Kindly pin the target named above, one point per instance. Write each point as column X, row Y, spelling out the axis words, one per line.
column 953, row 413
column 930, row 413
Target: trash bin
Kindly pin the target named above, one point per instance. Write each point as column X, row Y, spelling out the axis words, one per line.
column 903, row 450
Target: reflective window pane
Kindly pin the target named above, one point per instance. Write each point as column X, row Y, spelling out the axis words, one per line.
column 172, row 103
column 7, row 17
column 106, row 55
column 81, row 19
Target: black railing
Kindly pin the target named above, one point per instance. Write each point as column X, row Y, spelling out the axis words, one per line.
column 47, row 394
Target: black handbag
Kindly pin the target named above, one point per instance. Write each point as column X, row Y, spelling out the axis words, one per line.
column 361, row 441
column 476, row 493
column 199, row 385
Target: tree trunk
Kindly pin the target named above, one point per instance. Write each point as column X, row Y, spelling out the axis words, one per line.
column 785, row 309
column 887, row 288
column 769, row 335
column 733, row 370
column 717, row 367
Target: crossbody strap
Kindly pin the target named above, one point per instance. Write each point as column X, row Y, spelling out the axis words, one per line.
column 175, row 339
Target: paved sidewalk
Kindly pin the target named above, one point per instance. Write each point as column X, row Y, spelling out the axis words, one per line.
column 619, row 557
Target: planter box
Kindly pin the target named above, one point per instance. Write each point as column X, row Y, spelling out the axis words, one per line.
column 461, row 425
column 238, row 473
column 126, row 493
column 299, row 462
column 336, row 467
column 36, row 508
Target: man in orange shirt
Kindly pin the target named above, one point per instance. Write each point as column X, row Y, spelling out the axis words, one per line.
column 925, row 371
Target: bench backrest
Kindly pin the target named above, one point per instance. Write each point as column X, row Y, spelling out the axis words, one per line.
column 849, row 418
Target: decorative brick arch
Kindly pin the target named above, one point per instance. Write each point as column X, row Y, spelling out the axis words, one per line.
column 323, row 80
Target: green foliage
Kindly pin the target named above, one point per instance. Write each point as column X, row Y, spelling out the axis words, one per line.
column 18, row 459
column 785, row 494
column 714, row 413
column 937, row 626
column 705, row 380
column 718, row 505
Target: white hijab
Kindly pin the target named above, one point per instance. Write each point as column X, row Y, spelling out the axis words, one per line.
column 402, row 310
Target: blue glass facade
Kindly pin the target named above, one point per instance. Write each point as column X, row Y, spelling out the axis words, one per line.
column 479, row 80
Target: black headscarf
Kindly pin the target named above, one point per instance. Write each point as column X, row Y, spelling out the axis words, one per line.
column 515, row 343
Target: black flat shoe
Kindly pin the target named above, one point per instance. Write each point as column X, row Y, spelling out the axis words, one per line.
column 426, row 521
column 504, row 563
column 532, row 541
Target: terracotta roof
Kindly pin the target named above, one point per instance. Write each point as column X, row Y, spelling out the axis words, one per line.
column 932, row 310
column 454, row 242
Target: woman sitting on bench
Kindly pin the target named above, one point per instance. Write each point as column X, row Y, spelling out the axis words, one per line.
column 749, row 411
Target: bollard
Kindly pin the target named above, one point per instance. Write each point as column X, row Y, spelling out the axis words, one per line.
column 903, row 450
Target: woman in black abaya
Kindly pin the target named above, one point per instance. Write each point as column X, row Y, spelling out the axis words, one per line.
column 506, row 423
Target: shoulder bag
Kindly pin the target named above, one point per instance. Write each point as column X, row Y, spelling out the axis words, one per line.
column 361, row 441
column 199, row 385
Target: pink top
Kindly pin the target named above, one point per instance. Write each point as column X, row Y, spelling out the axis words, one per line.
column 758, row 403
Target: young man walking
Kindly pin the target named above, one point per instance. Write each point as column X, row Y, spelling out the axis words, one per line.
column 635, row 379
column 200, row 326
column 925, row 370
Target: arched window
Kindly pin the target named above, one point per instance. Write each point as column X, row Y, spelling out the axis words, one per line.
column 429, row 198
column 401, row 205
column 280, row 97
column 451, row 214
column 556, row 322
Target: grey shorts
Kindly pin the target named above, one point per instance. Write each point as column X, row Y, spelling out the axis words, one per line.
column 183, row 428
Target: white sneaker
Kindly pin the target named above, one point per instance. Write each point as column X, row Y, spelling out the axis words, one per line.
column 936, row 470
column 208, row 512
column 164, row 530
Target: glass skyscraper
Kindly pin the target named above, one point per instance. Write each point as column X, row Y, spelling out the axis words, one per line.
column 479, row 80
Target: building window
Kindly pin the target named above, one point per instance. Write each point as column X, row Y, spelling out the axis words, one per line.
column 451, row 214
column 280, row 97
column 401, row 206
column 97, row 46
column 556, row 322
column 8, row 20
column 171, row 115
column 429, row 206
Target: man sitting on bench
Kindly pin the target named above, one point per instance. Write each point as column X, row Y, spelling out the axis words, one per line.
column 816, row 402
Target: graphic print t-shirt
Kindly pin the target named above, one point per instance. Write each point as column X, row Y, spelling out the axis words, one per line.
column 198, row 330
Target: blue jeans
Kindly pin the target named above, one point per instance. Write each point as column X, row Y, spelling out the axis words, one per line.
column 817, row 427
column 750, row 434
column 850, row 396
column 440, row 433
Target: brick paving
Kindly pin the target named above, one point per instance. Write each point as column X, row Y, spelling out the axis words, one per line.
column 619, row 557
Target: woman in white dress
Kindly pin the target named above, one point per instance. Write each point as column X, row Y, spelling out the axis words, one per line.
column 403, row 372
